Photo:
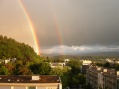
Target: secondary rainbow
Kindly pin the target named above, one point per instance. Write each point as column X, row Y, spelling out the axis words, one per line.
column 57, row 27
column 37, row 48
column 56, row 23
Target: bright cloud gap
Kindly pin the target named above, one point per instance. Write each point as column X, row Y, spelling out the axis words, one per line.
column 63, row 49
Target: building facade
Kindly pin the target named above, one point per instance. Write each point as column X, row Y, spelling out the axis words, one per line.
column 94, row 76
column 30, row 82
column 110, row 80
column 102, row 78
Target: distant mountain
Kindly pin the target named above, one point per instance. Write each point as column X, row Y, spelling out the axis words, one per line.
column 107, row 54
column 49, row 55
column 103, row 54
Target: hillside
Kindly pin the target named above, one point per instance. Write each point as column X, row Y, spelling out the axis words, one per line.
column 9, row 48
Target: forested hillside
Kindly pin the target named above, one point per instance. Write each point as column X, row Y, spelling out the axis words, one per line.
column 9, row 48
column 29, row 63
column 26, row 59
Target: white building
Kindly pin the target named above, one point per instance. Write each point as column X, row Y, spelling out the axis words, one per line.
column 60, row 65
column 86, row 62
column 66, row 60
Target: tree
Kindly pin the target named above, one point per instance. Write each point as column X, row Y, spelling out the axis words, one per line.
column 88, row 86
column 4, row 71
column 65, row 79
column 99, row 64
column 116, row 66
column 9, row 48
column 75, row 66
column 10, row 67
column 40, row 68
column 107, row 64
column 24, row 70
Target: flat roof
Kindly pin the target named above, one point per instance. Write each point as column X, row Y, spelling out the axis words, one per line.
column 29, row 79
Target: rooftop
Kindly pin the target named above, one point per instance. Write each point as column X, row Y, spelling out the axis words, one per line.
column 30, row 79
column 105, row 71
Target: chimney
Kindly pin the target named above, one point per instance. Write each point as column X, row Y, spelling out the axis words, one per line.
column 35, row 77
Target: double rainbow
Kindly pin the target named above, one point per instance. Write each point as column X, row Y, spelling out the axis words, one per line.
column 36, row 42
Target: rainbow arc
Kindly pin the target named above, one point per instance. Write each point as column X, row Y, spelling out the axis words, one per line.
column 56, row 24
column 31, row 27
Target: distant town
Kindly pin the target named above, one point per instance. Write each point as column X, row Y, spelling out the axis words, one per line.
column 83, row 74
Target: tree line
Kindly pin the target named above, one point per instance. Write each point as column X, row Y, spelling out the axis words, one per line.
column 9, row 48
column 28, row 63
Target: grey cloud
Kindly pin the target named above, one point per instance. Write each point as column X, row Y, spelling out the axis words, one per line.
column 80, row 22
column 79, row 49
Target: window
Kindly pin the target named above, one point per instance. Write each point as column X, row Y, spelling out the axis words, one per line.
column 5, row 87
column 18, row 87
column 51, row 88
column 31, row 87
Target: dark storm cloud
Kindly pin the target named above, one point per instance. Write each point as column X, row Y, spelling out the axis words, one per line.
column 81, row 22
column 92, row 22
column 87, row 23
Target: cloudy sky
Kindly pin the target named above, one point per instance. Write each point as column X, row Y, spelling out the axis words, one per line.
column 63, row 26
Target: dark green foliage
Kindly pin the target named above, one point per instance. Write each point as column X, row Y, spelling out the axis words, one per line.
column 65, row 79
column 10, row 66
column 99, row 64
column 75, row 66
column 21, row 69
column 75, row 77
column 88, row 86
column 3, row 70
column 116, row 66
column 41, row 68
column 9, row 48
column 24, row 54
column 107, row 64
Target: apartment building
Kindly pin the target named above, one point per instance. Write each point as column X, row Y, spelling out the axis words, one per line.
column 110, row 79
column 104, row 78
column 94, row 76
column 30, row 82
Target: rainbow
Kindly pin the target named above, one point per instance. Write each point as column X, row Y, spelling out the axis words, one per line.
column 56, row 24
column 57, row 29
column 37, row 48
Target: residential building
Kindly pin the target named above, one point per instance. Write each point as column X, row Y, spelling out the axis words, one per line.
column 5, row 61
column 84, row 68
column 66, row 60
column 86, row 62
column 85, row 65
column 105, row 78
column 110, row 79
column 30, row 82
column 94, row 76
column 60, row 65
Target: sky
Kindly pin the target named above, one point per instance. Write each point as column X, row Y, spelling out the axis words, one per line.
column 63, row 26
